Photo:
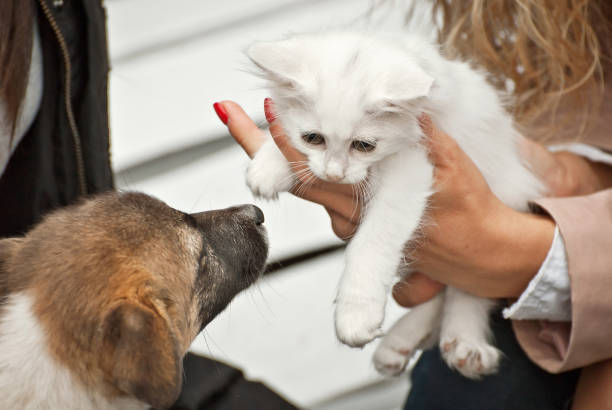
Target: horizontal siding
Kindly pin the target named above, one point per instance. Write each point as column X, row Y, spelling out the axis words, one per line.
column 170, row 61
column 161, row 101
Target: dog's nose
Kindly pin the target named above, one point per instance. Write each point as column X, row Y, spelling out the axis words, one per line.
column 249, row 212
column 252, row 212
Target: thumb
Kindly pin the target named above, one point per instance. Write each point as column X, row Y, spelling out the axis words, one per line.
column 442, row 148
column 415, row 289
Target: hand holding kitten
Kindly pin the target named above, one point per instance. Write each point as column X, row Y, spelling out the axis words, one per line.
column 461, row 198
column 337, row 199
column 564, row 173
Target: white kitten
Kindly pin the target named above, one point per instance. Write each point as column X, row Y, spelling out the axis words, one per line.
column 350, row 103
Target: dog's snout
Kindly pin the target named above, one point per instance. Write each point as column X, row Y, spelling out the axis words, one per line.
column 249, row 213
column 253, row 213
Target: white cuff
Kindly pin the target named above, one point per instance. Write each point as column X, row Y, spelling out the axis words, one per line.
column 547, row 296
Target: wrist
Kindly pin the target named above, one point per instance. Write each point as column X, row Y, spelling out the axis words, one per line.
column 527, row 239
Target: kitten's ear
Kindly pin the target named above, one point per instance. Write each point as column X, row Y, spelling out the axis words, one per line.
column 408, row 84
column 276, row 58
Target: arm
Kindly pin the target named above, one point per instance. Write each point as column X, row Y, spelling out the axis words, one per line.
column 586, row 225
column 547, row 296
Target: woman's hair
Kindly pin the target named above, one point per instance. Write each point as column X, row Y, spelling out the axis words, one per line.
column 550, row 54
column 16, row 19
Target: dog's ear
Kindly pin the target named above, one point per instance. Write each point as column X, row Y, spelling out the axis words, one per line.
column 7, row 247
column 143, row 354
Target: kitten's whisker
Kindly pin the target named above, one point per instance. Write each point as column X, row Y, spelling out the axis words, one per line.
column 303, row 174
column 290, row 177
column 356, row 194
column 302, row 182
column 301, row 171
column 308, row 183
column 300, row 168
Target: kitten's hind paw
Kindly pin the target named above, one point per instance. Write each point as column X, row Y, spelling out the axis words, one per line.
column 357, row 324
column 389, row 361
column 472, row 359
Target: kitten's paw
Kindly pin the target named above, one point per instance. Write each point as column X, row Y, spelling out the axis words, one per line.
column 267, row 177
column 358, row 323
column 389, row 361
column 473, row 359
column 398, row 346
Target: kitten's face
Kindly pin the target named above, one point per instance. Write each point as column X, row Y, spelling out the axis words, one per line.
column 345, row 102
column 341, row 143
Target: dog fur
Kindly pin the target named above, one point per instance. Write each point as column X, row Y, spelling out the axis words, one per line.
column 101, row 300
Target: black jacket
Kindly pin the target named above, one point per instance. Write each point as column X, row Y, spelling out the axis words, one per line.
column 65, row 154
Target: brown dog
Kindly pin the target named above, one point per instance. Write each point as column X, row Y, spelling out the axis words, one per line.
column 101, row 300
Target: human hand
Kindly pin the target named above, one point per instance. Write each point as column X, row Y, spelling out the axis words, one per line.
column 475, row 242
column 563, row 173
column 339, row 200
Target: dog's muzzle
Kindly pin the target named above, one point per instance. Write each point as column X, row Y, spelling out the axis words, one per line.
column 237, row 236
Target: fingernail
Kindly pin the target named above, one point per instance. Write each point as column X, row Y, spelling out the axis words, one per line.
column 269, row 110
column 221, row 113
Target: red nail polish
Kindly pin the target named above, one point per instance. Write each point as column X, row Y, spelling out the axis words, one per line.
column 221, row 113
column 269, row 110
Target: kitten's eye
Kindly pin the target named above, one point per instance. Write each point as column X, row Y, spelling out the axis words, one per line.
column 363, row 146
column 313, row 138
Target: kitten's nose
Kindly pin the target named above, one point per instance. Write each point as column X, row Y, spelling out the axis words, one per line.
column 334, row 171
column 333, row 177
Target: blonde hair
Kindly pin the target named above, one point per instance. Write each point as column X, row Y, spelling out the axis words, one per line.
column 552, row 51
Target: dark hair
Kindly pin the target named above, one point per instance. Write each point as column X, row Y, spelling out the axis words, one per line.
column 16, row 20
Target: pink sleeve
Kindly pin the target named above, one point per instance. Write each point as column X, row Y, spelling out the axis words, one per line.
column 585, row 223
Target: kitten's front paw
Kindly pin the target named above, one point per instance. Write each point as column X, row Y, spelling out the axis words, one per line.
column 358, row 323
column 267, row 177
column 472, row 359
column 389, row 361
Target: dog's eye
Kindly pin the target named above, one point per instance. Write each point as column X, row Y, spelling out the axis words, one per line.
column 313, row 138
column 363, row 146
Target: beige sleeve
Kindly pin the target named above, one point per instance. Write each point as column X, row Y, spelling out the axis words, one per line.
column 585, row 223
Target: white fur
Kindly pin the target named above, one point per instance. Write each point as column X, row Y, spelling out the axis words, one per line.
column 417, row 329
column 269, row 173
column 30, row 379
column 372, row 87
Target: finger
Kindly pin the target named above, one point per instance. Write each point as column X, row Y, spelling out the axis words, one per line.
column 241, row 127
column 545, row 165
column 416, row 289
column 280, row 136
column 339, row 203
column 342, row 227
column 537, row 156
column 297, row 159
column 442, row 148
